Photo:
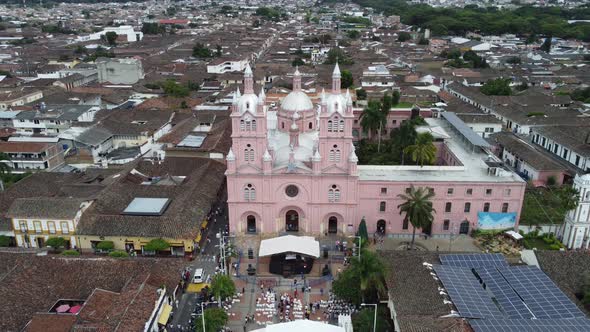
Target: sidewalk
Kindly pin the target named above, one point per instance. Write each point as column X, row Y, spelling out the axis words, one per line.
column 461, row 243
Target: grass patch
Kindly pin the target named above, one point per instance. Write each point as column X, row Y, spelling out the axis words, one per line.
column 403, row 104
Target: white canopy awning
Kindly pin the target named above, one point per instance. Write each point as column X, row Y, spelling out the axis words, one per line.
column 301, row 325
column 305, row 245
column 514, row 235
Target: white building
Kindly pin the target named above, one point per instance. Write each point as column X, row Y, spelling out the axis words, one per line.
column 221, row 66
column 123, row 30
column 119, row 71
column 575, row 231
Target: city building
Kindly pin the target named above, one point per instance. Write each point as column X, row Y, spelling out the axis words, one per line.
column 119, row 71
column 32, row 156
column 124, row 32
column 575, row 231
column 18, row 98
column 224, row 65
column 294, row 169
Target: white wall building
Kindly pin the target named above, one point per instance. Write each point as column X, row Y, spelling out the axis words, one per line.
column 575, row 231
column 126, row 30
column 225, row 66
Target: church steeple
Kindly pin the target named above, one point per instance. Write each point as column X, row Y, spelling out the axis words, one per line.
column 336, row 80
column 248, row 80
column 297, row 80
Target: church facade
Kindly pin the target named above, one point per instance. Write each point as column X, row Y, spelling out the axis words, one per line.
column 293, row 169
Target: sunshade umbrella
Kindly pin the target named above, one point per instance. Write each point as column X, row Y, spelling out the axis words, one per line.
column 63, row 308
column 75, row 309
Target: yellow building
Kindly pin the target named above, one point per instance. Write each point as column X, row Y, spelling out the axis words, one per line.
column 35, row 220
column 167, row 199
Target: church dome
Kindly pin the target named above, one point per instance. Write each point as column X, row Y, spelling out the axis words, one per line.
column 296, row 101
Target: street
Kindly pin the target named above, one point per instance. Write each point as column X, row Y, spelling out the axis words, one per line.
column 206, row 261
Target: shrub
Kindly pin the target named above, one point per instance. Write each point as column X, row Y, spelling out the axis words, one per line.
column 152, row 86
column 548, row 240
column 118, row 254
column 554, row 246
column 70, row 253
column 4, row 241
column 56, row 242
column 105, row 245
column 157, row 245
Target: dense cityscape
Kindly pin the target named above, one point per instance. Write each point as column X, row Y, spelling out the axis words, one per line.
column 254, row 165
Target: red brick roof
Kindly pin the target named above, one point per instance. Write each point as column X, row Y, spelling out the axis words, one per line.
column 23, row 147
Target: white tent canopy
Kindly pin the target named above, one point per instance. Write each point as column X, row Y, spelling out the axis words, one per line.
column 305, row 245
column 301, row 325
column 514, row 235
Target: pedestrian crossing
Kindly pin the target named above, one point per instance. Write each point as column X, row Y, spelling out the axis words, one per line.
column 205, row 258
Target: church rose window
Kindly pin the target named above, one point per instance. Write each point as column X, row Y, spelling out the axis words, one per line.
column 292, row 191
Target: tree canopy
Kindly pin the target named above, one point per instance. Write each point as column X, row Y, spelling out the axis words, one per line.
column 222, row 286
column 497, row 87
column 417, row 208
column 346, row 79
column 174, row 89
column 364, row 319
column 56, row 242
column 525, row 20
column 337, row 55
column 157, row 245
column 201, row 51
column 423, row 152
column 215, row 320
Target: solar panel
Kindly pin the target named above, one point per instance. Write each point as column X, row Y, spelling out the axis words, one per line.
column 508, row 299
column 473, row 260
column 530, row 325
column 540, row 294
column 466, row 292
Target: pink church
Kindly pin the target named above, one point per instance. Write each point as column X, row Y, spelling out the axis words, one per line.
column 294, row 169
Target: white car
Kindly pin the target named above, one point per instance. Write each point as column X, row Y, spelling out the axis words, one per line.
column 198, row 278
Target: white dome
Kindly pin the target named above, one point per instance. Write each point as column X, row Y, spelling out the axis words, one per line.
column 247, row 102
column 296, row 101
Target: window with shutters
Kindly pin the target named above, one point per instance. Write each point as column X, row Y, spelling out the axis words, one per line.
column 242, row 125
column 504, row 207
column 65, row 228
column 51, row 227
column 37, row 225
column 486, row 207
column 467, row 207
column 341, row 126
column 253, row 128
column 382, row 206
column 329, row 126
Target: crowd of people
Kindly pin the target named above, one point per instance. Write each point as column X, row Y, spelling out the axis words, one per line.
column 335, row 307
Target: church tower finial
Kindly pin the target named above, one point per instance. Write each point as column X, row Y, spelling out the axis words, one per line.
column 248, row 80
column 297, row 80
column 336, row 79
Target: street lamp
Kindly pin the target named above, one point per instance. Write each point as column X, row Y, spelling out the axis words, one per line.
column 359, row 245
column 203, row 312
column 222, row 238
column 375, row 319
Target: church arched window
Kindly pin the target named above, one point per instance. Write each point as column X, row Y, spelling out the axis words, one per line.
column 249, row 192
column 334, row 193
column 253, row 128
column 242, row 125
column 329, row 126
column 341, row 126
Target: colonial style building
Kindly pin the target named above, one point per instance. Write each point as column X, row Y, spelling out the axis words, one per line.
column 575, row 231
column 293, row 168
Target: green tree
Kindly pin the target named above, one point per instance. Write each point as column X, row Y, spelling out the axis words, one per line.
column 353, row 34
column 364, row 320
column 423, row 151
column 215, row 320
column 404, row 36
column 395, row 96
column 201, row 51
column 118, row 254
column 371, row 272
column 347, row 286
column 337, row 55
column 362, row 232
column 373, row 119
column 546, row 46
column 297, row 62
column 157, row 245
column 513, row 60
column 105, row 245
column 582, row 95
column 222, row 286
column 423, row 41
column 4, row 168
column 56, row 242
column 111, row 38
column 418, row 210
column 70, row 253
column 497, row 87
column 152, row 28
column 4, row 241
column 173, row 89
column 361, row 94
column 403, row 137
column 346, row 79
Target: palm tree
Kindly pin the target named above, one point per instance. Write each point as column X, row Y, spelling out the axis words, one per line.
column 403, row 137
column 423, row 151
column 418, row 208
column 371, row 270
column 373, row 119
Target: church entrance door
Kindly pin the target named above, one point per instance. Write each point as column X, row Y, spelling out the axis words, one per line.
column 292, row 221
column 333, row 225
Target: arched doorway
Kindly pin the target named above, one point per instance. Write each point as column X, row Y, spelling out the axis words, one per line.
column 333, row 225
column 464, row 228
column 251, row 224
column 381, row 227
column 292, row 221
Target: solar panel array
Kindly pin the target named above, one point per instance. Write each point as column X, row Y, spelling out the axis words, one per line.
column 540, row 294
column 511, row 303
column 473, row 260
column 530, row 325
column 466, row 293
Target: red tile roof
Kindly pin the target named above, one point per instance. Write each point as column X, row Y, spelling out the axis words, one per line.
column 23, row 147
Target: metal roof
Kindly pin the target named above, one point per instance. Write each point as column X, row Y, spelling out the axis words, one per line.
column 143, row 206
column 465, row 131
column 192, row 141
